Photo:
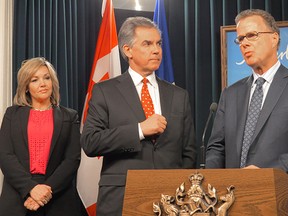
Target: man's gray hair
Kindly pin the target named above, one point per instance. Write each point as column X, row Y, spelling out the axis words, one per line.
column 267, row 17
column 127, row 31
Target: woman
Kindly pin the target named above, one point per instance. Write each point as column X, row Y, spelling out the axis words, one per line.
column 39, row 147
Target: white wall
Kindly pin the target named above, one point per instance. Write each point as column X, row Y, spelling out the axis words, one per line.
column 6, row 27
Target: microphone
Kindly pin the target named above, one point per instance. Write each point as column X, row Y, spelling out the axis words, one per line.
column 213, row 108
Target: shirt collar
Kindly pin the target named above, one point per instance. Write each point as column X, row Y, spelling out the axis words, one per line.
column 268, row 75
column 137, row 78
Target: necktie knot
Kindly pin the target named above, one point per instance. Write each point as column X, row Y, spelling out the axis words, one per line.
column 260, row 81
column 145, row 81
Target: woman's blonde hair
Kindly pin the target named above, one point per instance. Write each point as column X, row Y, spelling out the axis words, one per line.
column 28, row 69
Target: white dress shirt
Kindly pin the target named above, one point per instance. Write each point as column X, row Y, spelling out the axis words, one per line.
column 153, row 91
column 268, row 76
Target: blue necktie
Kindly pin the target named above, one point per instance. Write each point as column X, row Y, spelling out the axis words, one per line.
column 253, row 114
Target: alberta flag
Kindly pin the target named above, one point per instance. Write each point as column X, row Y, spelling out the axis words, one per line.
column 106, row 65
column 165, row 70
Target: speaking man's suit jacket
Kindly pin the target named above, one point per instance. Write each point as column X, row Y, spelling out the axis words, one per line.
column 62, row 165
column 111, row 130
column 269, row 147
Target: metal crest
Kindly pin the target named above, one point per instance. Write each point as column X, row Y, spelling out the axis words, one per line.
column 195, row 201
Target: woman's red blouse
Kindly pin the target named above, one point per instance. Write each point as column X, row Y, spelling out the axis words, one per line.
column 40, row 131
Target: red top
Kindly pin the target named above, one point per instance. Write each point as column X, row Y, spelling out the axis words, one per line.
column 40, row 131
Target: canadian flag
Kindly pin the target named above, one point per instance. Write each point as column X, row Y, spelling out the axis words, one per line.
column 106, row 65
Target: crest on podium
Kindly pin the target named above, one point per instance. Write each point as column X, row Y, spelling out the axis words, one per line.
column 195, row 201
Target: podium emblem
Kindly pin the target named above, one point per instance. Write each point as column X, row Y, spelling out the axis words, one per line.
column 195, row 201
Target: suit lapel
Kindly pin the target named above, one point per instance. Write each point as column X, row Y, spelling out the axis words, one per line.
column 127, row 88
column 275, row 91
column 166, row 95
column 58, row 121
column 24, row 116
column 166, row 98
column 243, row 95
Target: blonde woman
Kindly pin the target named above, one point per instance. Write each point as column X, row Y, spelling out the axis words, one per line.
column 39, row 147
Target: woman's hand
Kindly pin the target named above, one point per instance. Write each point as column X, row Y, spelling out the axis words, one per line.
column 31, row 204
column 41, row 194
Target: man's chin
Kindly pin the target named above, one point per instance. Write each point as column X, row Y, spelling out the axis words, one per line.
column 250, row 62
column 155, row 67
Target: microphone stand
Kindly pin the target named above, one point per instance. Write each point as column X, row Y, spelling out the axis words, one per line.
column 202, row 148
column 213, row 108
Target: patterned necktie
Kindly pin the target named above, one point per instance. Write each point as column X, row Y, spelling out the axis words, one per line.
column 253, row 114
column 146, row 100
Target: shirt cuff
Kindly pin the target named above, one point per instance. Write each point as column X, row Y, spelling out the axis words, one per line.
column 141, row 135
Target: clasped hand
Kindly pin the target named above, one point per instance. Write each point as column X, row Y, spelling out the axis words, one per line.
column 40, row 195
column 155, row 124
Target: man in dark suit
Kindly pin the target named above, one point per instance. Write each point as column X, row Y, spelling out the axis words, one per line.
column 116, row 126
column 245, row 136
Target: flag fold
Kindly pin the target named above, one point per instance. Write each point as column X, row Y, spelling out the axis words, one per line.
column 165, row 70
column 106, row 65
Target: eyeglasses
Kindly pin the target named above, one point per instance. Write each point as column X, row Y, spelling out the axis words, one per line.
column 250, row 36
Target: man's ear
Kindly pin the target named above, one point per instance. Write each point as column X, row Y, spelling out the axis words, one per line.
column 276, row 38
column 127, row 50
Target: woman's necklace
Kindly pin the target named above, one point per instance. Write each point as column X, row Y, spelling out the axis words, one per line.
column 42, row 109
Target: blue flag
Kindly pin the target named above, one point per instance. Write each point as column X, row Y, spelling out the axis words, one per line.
column 165, row 70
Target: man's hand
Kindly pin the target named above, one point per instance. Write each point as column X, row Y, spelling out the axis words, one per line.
column 41, row 194
column 251, row 167
column 155, row 124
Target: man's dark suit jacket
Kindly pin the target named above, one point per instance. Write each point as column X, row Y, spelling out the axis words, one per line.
column 269, row 148
column 61, row 170
column 111, row 130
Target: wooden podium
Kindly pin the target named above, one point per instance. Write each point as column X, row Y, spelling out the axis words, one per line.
column 257, row 191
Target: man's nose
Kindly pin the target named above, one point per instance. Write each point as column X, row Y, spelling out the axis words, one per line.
column 156, row 48
column 244, row 42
